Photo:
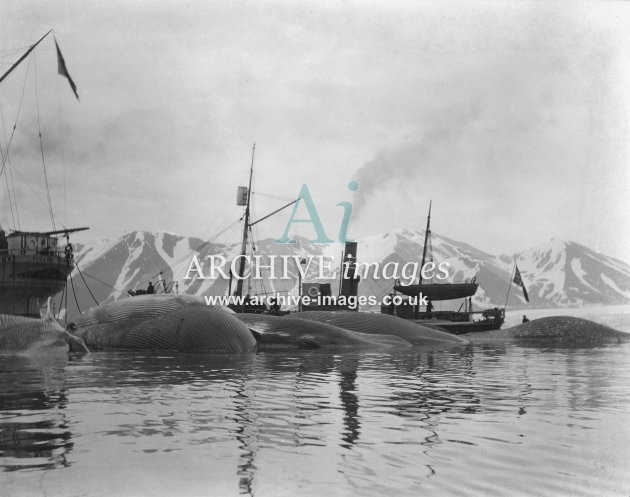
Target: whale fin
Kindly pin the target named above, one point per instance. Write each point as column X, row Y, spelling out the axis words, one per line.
column 257, row 334
column 48, row 316
column 76, row 344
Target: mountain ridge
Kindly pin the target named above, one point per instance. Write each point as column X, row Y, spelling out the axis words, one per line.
column 557, row 273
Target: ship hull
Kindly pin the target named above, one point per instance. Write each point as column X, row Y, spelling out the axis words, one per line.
column 453, row 322
column 460, row 328
column 26, row 282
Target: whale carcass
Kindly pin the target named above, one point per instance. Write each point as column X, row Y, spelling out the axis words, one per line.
column 278, row 333
column 30, row 336
column 382, row 324
column 555, row 330
column 164, row 322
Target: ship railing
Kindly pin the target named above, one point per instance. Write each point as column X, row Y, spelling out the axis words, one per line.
column 493, row 314
column 39, row 254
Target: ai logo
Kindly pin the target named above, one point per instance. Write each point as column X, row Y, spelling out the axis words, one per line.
column 314, row 219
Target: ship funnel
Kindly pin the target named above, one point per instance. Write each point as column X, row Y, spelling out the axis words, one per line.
column 349, row 277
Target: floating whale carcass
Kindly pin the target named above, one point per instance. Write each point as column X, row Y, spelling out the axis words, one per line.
column 555, row 330
column 164, row 322
column 281, row 333
column 32, row 336
column 382, row 324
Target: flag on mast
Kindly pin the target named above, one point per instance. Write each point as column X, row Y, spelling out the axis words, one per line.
column 519, row 281
column 63, row 70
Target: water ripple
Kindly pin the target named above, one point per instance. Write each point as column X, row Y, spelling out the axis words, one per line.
column 499, row 420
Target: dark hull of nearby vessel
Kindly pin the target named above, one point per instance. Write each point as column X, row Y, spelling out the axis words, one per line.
column 26, row 282
column 453, row 322
column 460, row 328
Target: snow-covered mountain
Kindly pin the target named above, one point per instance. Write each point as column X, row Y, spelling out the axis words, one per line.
column 569, row 274
column 465, row 262
column 111, row 268
column 556, row 273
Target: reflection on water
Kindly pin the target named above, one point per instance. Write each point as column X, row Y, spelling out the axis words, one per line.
column 34, row 431
column 482, row 420
column 349, row 401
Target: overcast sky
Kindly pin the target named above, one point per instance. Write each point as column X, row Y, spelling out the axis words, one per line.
column 512, row 117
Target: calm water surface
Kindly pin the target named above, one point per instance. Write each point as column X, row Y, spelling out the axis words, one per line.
column 480, row 420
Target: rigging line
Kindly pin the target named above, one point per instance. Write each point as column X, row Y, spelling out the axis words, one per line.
column 17, row 63
column 154, row 257
column 4, row 126
column 66, row 306
column 100, row 281
column 65, row 287
column 17, row 210
column 220, row 229
column 377, row 290
column 207, row 242
column 277, row 197
column 75, row 296
column 6, row 180
column 371, row 285
column 254, row 252
column 27, row 183
column 17, row 116
column 233, row 228
column 276, row 211
column 12, row 201
column 61, row 300
column 220, row 215
column 41, row 147
column 382, row 293
column 11, row 52
column 63, row 153
column 85, row 283
column 176, row 263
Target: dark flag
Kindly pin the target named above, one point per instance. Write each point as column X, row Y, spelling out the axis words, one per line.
column 519, row 281
column 63, row 70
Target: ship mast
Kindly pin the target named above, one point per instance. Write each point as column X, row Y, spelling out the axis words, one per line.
column 246, row 226
column 427, row 234
column 31, row 48
column 2, row 78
